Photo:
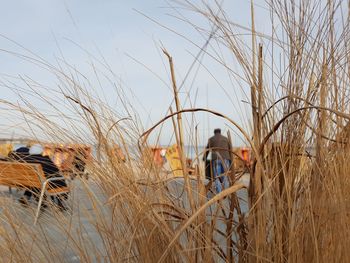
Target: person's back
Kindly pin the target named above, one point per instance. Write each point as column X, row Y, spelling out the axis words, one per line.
column 23, row 154
column 220, row 147
column 49, row 168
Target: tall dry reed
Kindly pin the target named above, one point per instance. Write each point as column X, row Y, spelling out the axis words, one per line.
column 298, row 193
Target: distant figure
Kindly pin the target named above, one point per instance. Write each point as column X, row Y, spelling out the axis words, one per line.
column 50, row 170
column 220, row 148
column 79, row 164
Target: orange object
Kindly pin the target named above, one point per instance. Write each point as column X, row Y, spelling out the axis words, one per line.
column 245, row 155
column 157, row 158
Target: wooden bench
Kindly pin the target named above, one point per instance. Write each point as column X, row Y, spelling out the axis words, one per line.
column 29, row 175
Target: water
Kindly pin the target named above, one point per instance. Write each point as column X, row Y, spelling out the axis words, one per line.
column 191, row 152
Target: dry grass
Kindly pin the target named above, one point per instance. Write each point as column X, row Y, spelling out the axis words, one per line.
column 298, row 199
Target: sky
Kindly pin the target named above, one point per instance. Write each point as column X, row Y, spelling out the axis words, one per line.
column 128, row 35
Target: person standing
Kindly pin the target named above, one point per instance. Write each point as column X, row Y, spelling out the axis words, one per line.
column 220, row 148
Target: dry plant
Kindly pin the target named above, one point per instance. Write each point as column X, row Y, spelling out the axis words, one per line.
column 298, row 194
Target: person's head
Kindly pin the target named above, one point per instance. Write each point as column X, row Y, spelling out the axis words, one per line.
column 36, row 149
column 217, row 131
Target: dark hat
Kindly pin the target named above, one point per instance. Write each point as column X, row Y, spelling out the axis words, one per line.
column 22, row 150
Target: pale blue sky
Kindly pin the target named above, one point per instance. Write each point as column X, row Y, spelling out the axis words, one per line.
column 118, row 32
